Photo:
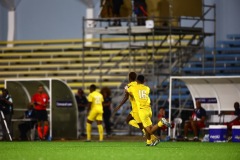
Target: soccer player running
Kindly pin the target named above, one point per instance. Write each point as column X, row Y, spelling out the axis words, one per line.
column 40, row 100
column 140, row 92
column 95, row 112
column 133, row 118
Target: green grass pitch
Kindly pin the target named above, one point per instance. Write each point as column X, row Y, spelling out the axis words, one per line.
column 131, row 150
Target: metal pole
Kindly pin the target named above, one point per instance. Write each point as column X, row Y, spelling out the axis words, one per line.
column 170, row 33
column 83, row 51
column 51, row 103
column 170, row 104
column 214, row 8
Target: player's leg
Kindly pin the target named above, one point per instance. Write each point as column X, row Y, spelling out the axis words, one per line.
column 131, row 121
column 138, row 121
column 187, row 125
column 45, row 123
column 163, row 122
column 106, row 120
column 145, row 117
column 90, row 119
column 82, row 123
column 23, row 132
column 39, row 124
column 89, row 129
column 99, row 119
column 100, row 130
column 194, row 128
column 45, row 129
column 39, row 130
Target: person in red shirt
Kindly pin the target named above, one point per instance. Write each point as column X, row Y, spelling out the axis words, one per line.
column 40, row 100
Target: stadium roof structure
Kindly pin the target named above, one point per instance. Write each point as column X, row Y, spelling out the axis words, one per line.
column 62, row 109
column 216, row 93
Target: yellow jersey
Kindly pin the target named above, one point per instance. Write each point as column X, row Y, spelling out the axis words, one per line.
column 140, row 93
column 131, row 98
column 96, row 100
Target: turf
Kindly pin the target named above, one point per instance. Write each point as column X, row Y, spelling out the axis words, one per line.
column 79, row 150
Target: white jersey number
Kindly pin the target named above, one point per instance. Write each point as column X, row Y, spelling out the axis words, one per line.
column 142, row 94
column 97, row 100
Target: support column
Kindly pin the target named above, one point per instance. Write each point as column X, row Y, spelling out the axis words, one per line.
column 11, row 27
column 89, row 24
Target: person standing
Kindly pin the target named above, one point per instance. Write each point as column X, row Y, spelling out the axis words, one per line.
column 140, row 9
column 40, row 100
column 106, row 92
column 6, row 106
column 82, row 103
column 95, row 112
column 116, row 12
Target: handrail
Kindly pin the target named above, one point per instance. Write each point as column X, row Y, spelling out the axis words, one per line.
column 77, row 41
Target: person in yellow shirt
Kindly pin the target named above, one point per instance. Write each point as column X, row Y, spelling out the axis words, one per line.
column 133, row 118
column 141, row 92
column 95, row 112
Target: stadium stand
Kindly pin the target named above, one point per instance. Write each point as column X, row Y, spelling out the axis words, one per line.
column 220, row 61
column 107, row 60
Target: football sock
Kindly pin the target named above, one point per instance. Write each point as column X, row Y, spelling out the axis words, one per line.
column 40, row 134
column 149, row 141
column 89, row 130
column 153, row 137
column 100, row 131
column 144, row 132
column 45, row 130
column 133, row 123
column 160, row 124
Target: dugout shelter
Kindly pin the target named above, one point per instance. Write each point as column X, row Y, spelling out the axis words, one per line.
column 62, row 111
column 216, row 93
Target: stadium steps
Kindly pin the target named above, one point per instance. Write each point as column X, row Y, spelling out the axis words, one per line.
column 67, row 61
column 222, row 61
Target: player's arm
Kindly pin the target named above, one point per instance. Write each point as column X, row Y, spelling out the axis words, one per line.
column 203, row 118
column 89, row 106
column 33, row 101
column 125, row 98
column 47, row 103
column 106, row 103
